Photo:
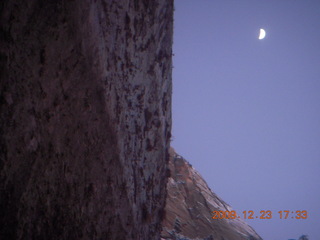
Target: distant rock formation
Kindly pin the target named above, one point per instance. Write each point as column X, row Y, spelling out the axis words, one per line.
column 189, row 207
column 85, row 118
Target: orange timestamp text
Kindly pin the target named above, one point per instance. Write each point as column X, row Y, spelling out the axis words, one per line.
column 263, row 214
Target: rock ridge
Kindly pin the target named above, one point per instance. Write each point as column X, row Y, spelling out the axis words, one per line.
column 189, row 206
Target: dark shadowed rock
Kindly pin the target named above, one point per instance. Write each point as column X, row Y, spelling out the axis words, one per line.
column 189, row 207
column 85, row 101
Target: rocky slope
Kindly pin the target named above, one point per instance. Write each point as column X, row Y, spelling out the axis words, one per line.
column 189, row 207
column 85, row 103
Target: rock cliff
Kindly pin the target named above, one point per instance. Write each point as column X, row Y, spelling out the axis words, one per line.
column 85, row 102
column 189, row 207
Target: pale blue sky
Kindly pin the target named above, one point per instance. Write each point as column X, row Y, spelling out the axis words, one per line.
column 246, row 112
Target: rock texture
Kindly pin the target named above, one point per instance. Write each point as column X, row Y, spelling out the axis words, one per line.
column 189, row 207
column 85, row 102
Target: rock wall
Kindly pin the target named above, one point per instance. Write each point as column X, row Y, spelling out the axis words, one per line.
column 189, row 206
column 85, row 102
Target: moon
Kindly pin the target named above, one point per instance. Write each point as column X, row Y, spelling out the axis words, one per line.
column 262, row 34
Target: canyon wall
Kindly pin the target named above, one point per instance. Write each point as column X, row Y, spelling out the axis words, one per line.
column 85, row 102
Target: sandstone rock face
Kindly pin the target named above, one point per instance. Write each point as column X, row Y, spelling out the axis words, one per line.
column 85, row 102
column 189, row 207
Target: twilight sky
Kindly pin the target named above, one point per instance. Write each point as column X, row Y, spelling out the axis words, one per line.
column 246, row 112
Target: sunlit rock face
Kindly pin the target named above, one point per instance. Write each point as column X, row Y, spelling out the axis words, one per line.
column 189, row 207
column 85, row 103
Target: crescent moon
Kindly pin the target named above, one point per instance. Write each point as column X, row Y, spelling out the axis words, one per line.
column 262, row 34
